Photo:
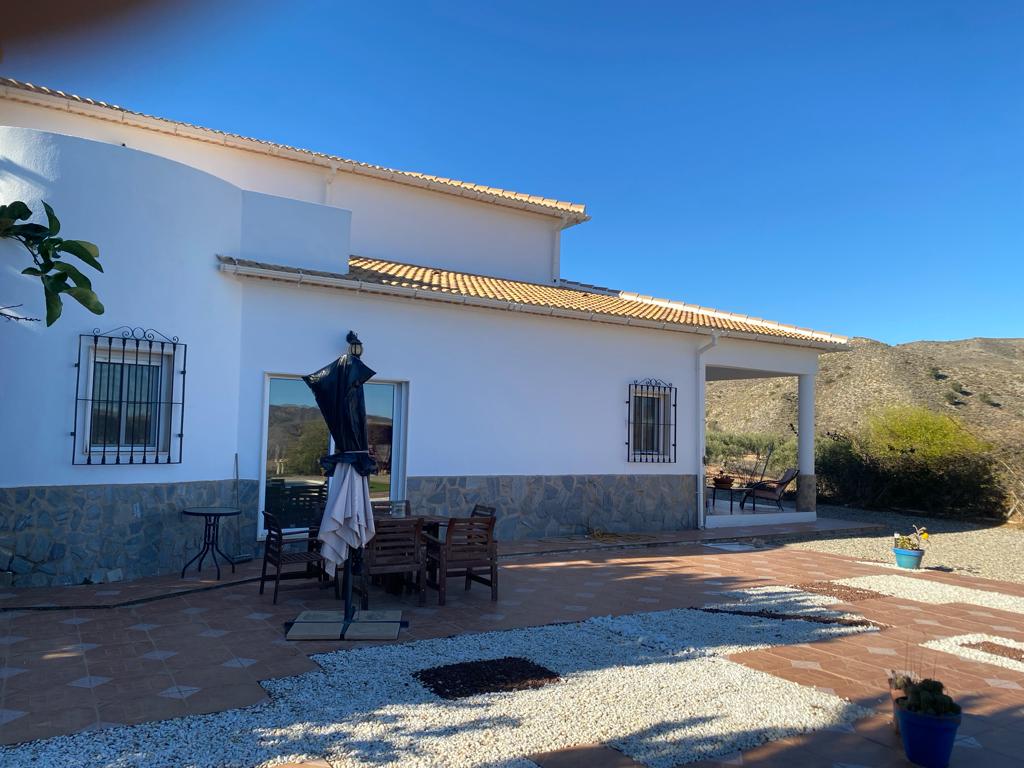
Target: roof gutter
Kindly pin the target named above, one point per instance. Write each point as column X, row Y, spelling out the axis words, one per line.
column 294, row 275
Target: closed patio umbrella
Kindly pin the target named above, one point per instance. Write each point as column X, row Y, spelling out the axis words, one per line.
column 348, row 518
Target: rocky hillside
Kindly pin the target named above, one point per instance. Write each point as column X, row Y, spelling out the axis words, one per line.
column 979, row 380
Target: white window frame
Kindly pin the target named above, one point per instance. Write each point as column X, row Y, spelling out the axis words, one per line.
column 663, row 441
column 164, row 426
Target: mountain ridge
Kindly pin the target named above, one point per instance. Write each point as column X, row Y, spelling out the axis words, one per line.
column 978, row 380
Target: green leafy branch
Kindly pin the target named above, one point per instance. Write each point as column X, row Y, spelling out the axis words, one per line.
column 49, row 258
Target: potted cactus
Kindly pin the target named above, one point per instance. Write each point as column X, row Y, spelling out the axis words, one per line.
column 899, row 682
column 928, row 721
column 909, row 548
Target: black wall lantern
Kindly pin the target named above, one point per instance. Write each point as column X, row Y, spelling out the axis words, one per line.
column 355, row 346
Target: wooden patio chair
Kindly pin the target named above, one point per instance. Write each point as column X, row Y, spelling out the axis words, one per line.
column 769, row 490
column 276, row 556
column 396, row 548
column 482, row 510
column 468, row 545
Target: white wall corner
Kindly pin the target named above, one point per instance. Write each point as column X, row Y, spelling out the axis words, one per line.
column 294, row 233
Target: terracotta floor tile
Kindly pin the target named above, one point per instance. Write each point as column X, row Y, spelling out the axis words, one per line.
column 619, row 581
column 591, row 756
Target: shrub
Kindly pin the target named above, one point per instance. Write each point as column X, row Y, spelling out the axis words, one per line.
column 952, row 398
column 986, row 398
column 911, row 458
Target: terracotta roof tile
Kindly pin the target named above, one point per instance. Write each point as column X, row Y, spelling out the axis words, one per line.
column 597, row 303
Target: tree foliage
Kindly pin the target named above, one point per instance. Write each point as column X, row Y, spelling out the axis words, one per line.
column 50, row 255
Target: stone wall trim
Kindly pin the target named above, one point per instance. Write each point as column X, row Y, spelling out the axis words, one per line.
column 537, row 506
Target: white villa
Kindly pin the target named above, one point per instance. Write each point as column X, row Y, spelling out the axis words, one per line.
column 233, row 266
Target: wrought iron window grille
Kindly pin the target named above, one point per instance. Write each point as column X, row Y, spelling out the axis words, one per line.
column 651, row 422
column 129, row 397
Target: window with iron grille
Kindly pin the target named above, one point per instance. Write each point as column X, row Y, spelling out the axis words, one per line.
column 651, row 422
column 129, row 398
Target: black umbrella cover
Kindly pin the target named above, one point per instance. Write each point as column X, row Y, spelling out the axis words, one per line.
column 338, row 389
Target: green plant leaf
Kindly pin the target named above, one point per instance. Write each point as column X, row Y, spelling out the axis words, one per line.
column 53, row 307
column 33, row 232
column 84, row 250
column 86, row 298
column 51, row 219
column 72, row 271
column 55, row 283
column 16, row 211
column 33, row 272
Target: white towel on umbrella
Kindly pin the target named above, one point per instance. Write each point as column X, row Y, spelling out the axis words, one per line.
column 348, row 517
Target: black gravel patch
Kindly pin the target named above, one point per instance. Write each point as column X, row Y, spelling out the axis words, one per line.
column 761, row 613
column 469, row 678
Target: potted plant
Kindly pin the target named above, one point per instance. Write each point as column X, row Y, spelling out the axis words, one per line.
column 928, row 721
column 909, row 548
column 722, row 480
column 899, row 682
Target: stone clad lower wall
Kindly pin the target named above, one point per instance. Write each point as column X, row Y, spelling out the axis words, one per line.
column 531, row 506
column 69, row 533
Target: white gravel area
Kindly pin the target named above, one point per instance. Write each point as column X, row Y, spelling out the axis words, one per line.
column 666, row 702
column 923, row 590
column 955, row 645
column 959, row 546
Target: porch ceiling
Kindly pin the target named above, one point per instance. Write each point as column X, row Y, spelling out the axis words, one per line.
column 725, row 373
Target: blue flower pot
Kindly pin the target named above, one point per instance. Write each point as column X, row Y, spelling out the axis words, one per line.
column 927, row 740
column 908, row 558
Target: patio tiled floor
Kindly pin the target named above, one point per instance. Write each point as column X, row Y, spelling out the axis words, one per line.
column 74, row 668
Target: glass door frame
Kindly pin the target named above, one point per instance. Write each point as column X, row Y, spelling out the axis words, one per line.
column 398, row 442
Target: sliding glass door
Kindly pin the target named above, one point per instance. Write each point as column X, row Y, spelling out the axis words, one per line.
column 294, row 489
column 381, row 407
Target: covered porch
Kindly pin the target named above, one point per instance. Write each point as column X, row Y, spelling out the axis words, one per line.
column 762, row 494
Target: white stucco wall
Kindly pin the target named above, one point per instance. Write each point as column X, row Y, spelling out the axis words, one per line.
column 747, row 357
column 490, row 392
column 390, row 221
column 159, row 225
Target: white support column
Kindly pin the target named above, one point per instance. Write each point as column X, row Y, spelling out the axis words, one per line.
column 806, row 491
column 701, row 438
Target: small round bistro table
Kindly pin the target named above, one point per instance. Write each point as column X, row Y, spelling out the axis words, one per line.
column 211, row 535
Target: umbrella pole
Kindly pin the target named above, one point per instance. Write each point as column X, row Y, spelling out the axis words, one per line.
column 349, row 608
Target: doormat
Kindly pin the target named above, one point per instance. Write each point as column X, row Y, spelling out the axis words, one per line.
column 729, row 547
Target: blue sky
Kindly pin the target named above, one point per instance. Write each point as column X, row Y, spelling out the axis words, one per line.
column 856, row 167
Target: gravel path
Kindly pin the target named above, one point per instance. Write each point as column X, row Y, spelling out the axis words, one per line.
column 668, row 701
column 963, row 547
